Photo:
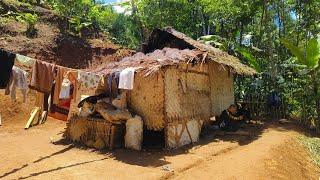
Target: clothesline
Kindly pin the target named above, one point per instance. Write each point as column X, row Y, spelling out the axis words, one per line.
column 66, row 86
column 25, row 61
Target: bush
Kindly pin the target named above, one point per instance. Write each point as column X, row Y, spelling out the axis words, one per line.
column 31, row 20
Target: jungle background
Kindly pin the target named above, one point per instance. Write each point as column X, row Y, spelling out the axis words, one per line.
column 278, row 38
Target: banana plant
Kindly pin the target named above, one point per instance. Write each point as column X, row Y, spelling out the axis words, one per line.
column 308, row 56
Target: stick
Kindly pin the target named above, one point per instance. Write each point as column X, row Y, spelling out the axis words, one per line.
column 189, row 133
column 43, row 117
column 32, row 116
column 112, row 137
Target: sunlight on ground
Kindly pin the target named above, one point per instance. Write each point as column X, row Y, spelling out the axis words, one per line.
column 313, row 146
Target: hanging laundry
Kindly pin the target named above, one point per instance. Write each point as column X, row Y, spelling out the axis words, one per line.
column 24, row 61
column 6, row 63
column 126, row 78
column 89, row 80
column 61, row 71
column 72, row 76
column 65, row 89
column 87, row 86
column 43, row 75
column 113, row 84
column 18, row 80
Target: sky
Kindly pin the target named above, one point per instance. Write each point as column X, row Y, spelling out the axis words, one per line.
column 118, row 9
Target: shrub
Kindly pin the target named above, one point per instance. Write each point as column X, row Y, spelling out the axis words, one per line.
column 31, row 20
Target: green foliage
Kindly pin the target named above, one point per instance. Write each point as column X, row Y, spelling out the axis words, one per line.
column 125, row 31
column 216, row 41
column 249, row 57
column 84, row 15
column 313, row 52
column 31, row 20
column 308, row 56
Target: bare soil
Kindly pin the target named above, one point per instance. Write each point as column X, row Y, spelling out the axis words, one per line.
column 52, row 46
column 271, row 152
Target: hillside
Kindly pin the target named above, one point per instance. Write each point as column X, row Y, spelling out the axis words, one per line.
column 50, row 44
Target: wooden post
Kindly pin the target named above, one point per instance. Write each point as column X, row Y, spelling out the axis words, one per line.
column 112, row 131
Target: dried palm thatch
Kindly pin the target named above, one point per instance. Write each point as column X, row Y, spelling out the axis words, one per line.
column 169, row 47
column 169, row 37
column 150, row 63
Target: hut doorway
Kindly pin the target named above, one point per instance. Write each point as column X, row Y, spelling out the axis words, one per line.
column 153, row 139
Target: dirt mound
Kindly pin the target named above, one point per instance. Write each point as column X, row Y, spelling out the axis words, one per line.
column 52, row 46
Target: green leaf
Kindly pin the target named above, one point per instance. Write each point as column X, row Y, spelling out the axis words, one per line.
column 296, row 51
column 250, row 58
column 313, row 53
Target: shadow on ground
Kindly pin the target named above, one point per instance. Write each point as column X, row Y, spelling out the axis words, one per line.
column 156, row 157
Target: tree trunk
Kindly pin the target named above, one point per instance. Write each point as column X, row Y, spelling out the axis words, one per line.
column 241, row 33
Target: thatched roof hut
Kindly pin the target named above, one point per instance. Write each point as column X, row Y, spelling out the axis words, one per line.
column 179, row 84
column 169, row 37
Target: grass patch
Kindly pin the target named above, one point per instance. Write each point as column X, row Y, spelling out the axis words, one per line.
column 313, row 146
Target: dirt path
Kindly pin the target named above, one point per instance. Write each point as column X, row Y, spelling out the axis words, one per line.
column 271, row 153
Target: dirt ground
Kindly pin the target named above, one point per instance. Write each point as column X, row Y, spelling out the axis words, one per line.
column 271, row 152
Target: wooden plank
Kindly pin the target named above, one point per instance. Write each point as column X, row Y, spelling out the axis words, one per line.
column 33, row 115
column 43, row 117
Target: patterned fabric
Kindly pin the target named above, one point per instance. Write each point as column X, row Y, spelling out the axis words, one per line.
column 24, row 61
column 88, row 84
column 89, row 80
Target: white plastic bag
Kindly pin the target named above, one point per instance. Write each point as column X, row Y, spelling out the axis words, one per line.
column 134, row 133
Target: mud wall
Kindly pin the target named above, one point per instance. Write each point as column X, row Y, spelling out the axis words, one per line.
column 147, row 100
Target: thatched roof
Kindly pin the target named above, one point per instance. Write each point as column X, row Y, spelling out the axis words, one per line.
column 169, row 37
column 169, row 47
column 152, row 62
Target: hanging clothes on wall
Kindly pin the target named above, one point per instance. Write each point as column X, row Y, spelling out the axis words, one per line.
column 18, row 80
column 126, row 78
column 6, row 64
column 43, row 75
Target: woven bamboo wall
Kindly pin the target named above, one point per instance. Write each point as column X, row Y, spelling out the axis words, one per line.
column 187, row 92
column 222, row 92
column 147, row 100
column 94, row 132
column 187, row 103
